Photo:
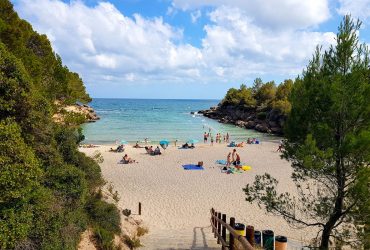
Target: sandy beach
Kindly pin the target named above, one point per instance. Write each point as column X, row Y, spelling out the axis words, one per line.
column 177, row 201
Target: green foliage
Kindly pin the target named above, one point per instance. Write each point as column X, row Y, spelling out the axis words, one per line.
column 35, row 52
column 328, row 144
column 132, row 243
column 263, row 95
column 73, row 119
column 45, row 182
column 19, row 170
column 69, row 182
column 242, row 96
column 284, row 106
column 103, row 238
column 104, row 215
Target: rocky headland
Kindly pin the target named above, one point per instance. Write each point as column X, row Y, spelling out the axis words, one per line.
column 80, row 109
column 263, row 120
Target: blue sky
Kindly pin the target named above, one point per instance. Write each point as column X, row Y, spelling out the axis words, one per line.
column 187, row 48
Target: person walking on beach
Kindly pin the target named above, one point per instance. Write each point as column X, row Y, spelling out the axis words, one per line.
column 211, row 140
column 205, row 137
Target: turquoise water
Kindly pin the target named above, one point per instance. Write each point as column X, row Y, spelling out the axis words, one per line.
column 135, row 119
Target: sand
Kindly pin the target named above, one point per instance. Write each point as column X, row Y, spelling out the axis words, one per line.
column 176, row 201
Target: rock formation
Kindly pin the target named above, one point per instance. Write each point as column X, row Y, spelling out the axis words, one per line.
column 262, row 120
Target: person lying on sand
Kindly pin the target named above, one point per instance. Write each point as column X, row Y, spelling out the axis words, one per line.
column 186, row 145
column 119, row 149
column 137, row 145
column 240, row 145
column 127, row 160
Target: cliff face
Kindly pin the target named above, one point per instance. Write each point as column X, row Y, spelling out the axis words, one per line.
column 262, row 120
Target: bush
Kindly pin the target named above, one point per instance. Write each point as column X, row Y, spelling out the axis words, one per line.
column 142, row 231
column 132, row 243
column 283, row 106
column 103, row 238
column 104, row 215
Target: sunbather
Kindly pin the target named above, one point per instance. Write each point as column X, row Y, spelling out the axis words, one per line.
column 157, row 151
column 119, row 149
column 137, row 145
column 127, row 160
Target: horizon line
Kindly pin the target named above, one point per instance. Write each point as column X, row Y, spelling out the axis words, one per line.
column 135, row 98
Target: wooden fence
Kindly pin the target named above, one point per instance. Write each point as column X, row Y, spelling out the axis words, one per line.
column 220, row 228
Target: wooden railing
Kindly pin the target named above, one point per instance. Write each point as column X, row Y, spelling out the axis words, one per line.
column 220, row 227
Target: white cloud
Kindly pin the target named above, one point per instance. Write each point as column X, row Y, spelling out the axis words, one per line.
column 236, row 43
column 195, row 15
column 271, row 13
column 105, row 46
column 357, row 8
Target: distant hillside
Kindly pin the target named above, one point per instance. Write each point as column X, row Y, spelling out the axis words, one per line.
column 49, row 191
column 263, row 107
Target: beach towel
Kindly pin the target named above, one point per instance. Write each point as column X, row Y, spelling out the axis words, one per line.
column 192, row 167
column 222, row 162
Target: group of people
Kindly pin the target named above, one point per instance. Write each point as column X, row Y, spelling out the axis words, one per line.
column 253, row 141
column 186, row 145
column 219, row 137
column 151, row 151
column 233, row 158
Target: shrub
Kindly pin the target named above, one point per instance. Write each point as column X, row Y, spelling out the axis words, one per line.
column 103, row 238
column 132, row 243
column 104, row 215
column 142, row 231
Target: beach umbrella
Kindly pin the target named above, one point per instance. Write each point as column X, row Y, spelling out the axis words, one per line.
column 124, row 142
column 192, row 141
column 164, row 142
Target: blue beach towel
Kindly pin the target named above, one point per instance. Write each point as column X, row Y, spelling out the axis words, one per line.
column 192, row 167
column 222, row 162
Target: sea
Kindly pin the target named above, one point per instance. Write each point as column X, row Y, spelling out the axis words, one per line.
column 135, row 120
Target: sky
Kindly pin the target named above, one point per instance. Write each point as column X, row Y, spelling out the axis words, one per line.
column 187, row 49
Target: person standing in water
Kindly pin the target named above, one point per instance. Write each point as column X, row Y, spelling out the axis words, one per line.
column 227, row 137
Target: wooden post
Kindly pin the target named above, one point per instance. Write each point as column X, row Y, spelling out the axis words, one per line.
column 212, row 211
column 224, row 228
column 139, row 208
column 214, row 222
column 219, row 227
column 231, row 241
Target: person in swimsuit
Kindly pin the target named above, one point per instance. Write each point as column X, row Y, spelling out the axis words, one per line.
column 228, row 162
column 127, row 159
column 205, row 137
column 237, row 160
